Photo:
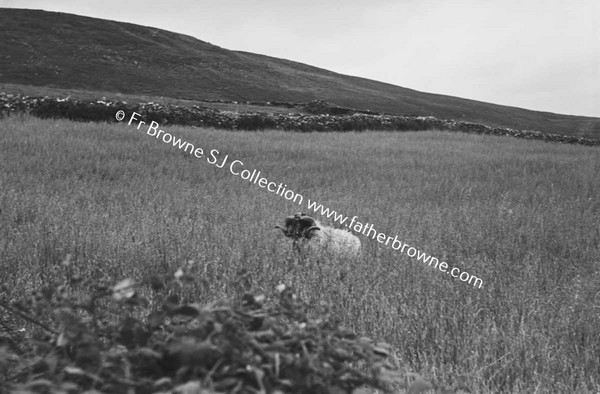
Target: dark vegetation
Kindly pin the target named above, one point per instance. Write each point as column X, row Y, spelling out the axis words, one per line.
column 324, row 117
column 49, row 49
column 89, row 336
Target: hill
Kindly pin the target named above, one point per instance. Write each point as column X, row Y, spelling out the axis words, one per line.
column 67, row 51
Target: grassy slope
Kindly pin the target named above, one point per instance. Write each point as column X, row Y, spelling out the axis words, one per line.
column 77, row 94
column 67, row 51
column 522, row 215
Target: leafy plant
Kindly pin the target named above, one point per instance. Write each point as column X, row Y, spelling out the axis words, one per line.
column 92, row 336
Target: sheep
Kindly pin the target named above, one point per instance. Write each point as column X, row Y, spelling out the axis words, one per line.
column 309, row 235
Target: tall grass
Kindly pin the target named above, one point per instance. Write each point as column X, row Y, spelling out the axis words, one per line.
column 521, row 215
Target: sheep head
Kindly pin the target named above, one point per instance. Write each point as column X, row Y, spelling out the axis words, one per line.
column 299, row 226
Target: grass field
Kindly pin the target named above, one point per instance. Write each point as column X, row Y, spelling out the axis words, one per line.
column 521, row 215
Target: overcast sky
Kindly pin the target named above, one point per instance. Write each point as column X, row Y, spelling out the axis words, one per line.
column 535, row 54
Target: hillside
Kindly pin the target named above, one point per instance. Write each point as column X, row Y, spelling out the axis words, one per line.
column 67, row 51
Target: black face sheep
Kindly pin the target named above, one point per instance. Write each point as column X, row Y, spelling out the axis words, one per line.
column 309, row 235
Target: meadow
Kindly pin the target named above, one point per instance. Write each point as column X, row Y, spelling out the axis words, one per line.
column 522, row 215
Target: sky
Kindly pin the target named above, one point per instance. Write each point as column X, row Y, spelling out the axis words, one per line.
column 535, row 54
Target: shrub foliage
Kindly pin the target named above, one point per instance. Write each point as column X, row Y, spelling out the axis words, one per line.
column 86, row 336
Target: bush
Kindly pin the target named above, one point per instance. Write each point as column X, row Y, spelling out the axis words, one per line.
column 90, row 336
